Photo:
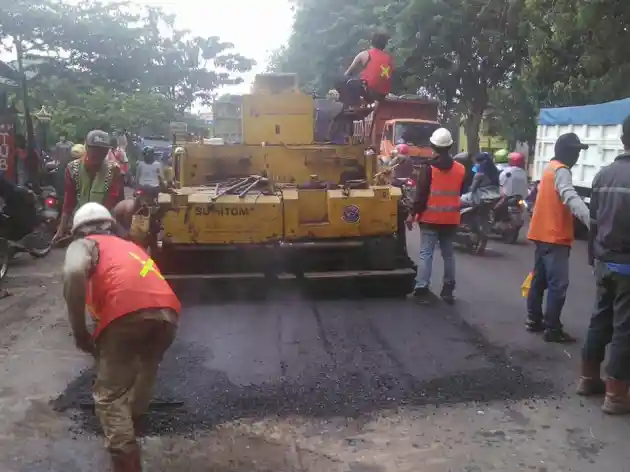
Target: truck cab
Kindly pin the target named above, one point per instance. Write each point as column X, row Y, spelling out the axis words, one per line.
column 410, row 120
column 415, row 133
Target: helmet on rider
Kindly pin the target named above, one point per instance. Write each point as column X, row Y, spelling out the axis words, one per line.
column 501, row 155
column 402, row 149
column 441, row 138
column 516, row 159
column 463, row 157
column 78, row 151
column 483, row 157
column 90, row 214
column 148, row 154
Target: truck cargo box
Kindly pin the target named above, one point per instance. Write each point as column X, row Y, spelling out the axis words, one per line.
column 599, row 126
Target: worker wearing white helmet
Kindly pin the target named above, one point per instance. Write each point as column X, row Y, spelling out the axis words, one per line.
column 436, row 210
column 135, row 313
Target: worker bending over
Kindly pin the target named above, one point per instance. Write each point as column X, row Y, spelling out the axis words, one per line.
column 135, row 313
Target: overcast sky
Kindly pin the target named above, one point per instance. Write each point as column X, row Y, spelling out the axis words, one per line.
column 255, row 27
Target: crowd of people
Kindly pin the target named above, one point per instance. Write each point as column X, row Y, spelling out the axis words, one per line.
column 444, row 185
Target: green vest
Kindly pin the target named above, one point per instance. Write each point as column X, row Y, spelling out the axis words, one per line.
column 91, row 190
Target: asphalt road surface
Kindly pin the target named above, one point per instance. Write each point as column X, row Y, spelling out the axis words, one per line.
column 292, row 384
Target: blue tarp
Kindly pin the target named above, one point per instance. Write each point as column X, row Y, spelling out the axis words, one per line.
column 611, row 113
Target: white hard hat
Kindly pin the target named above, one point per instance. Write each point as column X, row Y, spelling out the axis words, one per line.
column 441, row 138
column 91, row 213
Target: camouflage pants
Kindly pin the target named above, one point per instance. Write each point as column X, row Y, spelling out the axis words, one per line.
column 128, row 354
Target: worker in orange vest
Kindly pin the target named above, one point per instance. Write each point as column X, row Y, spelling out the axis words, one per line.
column 136, row 315
column 375, row 67
column 436, row 208
column 552, row 231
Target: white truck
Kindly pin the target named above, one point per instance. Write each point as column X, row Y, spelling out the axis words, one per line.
column 599, row 126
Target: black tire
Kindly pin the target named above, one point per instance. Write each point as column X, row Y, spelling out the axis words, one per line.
column 511, row 237
column 5, row 258
column 479, row 248
column 44, row 245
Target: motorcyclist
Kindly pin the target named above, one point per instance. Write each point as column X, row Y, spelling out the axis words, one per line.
column 465, row 159
column 403, row 163
column 19, row 206
column 485, row 184
column 501, row 155
column 513, row 180
column 78, row 152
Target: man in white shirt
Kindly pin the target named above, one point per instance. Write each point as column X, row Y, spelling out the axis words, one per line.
column 149, row 172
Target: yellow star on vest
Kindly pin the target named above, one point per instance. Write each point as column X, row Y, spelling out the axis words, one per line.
column 147, row 266
column 385, row 71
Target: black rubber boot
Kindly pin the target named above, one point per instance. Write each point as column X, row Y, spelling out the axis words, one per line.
column 447, row 293
column 558, row 336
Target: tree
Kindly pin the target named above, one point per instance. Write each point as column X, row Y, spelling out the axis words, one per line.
column 461, row 49
column 183, row 75
column 578, row 50
column 130, row 65
column 119, row 46
column 515, row 109
column 149, row 112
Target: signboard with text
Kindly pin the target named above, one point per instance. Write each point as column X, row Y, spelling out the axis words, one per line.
column 7, row 148
column 178, row 127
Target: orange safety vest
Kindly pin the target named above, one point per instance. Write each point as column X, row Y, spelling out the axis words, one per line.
column 443, row 205
column 378, row 71
column 552, row 221
column 125, row 281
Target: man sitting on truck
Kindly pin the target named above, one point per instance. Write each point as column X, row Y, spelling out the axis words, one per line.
column 376, row 68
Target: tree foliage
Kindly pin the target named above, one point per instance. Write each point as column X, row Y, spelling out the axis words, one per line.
column 461, row 50
column 579, row 50
column 456, row 50
column 115, row 62
column 515, row 55
column 327, row 34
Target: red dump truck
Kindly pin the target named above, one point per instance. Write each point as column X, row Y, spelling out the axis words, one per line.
column 399, row 120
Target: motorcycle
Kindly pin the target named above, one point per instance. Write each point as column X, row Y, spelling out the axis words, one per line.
column 27, row 224
column 473, row 230
column 530, row 200
column 507, row 218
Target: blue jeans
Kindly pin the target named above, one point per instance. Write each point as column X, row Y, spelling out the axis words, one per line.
column 551, row 273
column 430, row 238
